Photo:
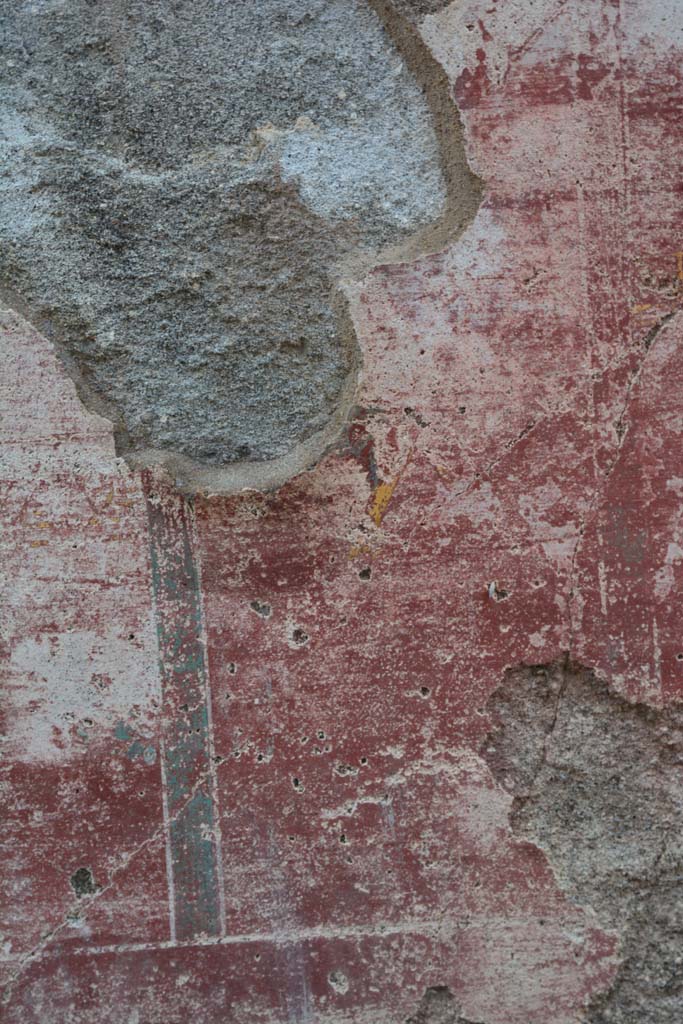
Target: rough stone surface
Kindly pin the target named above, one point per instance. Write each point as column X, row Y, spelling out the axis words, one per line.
column 245, row 773
column 598, row 785
column 416, row 10
column 181, row 191
column 438, row 1006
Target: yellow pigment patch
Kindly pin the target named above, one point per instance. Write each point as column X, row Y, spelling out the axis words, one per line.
column 381, row 499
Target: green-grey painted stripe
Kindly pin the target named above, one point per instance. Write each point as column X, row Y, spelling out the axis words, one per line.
column 193, row 844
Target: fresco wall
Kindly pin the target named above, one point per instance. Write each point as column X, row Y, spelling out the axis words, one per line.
column 387, row 730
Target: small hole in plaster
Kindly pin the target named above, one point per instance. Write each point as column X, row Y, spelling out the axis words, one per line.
column 299, row 637
column 338, row 981
column 83, row 883
column 261, row 608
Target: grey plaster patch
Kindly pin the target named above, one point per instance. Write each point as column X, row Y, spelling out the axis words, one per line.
column 598, row 786
column 183, row 186
column 438, row 1006
column 417, row 10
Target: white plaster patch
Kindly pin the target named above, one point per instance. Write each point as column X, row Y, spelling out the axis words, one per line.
column 481, row 250
column 483, row 813
column 342, row 172
column 559, row 548
column 655, row 23
column 479, row 506
column 65, row 689
column 76, row 612
column 538, row 639
column 539, row 509
column 665, row 575
column 455, row 34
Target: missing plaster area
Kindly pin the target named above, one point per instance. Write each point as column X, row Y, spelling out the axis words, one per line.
column 598, row 785
column 83, row 883
column 417, row 10
column 184, row 187
column 438, row 1006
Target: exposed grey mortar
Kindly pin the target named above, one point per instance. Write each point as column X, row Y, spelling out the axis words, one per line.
column 417, row 10
column 438, row 1006
column 598, row 785
column 182, row 187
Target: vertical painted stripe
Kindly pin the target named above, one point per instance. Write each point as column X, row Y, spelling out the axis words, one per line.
column 193, row 841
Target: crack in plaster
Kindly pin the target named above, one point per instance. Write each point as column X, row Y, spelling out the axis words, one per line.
column 82, row 903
